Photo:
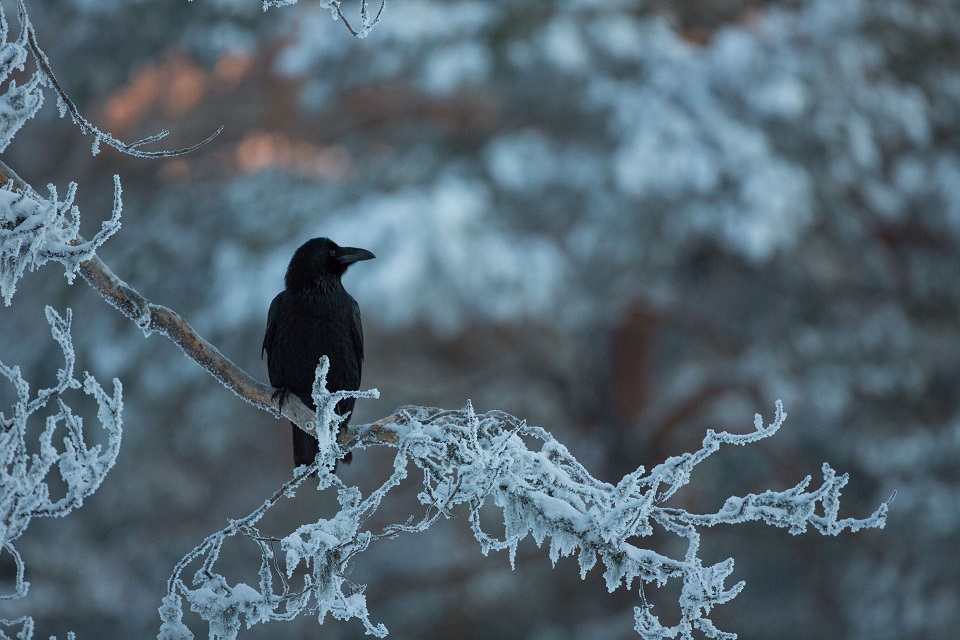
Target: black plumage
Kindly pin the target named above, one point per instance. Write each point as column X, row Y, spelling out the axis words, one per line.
column 312, row 317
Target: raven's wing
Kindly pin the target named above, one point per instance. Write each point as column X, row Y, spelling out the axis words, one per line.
column 271, row 326
column 346, row 405
column 357, row 330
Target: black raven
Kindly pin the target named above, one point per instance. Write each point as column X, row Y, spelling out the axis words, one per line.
column 312, row 317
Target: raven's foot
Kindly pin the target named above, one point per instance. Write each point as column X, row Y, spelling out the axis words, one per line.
column 282, row 393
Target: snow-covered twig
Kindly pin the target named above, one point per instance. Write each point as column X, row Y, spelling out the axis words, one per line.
column 35, row 230
column 24, row 490
column 543, row 492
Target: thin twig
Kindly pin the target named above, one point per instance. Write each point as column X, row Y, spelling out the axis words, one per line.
column 43, row 63
column 346, row 23
column 363, row 16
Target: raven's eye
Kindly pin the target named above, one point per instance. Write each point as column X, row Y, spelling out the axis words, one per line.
column 333, row 252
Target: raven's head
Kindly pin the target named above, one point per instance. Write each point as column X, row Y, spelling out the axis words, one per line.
column 319, row 260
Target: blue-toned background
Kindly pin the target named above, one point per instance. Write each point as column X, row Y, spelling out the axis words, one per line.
column 627, row 222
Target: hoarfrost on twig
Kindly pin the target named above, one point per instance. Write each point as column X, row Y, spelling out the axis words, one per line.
column 35, row 230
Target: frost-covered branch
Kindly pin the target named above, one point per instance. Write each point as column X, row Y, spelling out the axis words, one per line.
column 35, row 230
column 25, row 470
column 46, row 76
column 468, row 459
column 152, row 317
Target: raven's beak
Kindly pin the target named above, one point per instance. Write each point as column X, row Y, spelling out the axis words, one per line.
column 349, row 255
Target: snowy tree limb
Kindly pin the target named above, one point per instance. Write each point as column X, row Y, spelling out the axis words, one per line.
column 35, row 230
column 464, row 459
column 20, row 103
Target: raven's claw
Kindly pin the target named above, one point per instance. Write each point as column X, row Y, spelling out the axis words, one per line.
column 283, row 393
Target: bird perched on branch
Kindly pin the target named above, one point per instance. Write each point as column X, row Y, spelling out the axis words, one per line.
column 315, row 316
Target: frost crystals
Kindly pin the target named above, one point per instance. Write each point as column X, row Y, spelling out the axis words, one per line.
column 24, row 470
column 35, row 230
column 18, row 104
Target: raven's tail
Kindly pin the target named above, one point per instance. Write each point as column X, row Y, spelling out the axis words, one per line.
column 306, row 448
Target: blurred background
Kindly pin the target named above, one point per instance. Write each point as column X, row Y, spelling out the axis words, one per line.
column 624, row 221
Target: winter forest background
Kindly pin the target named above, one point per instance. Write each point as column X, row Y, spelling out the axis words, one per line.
column 625, row 221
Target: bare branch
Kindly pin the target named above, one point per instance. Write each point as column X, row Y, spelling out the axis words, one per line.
column 152, row 317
